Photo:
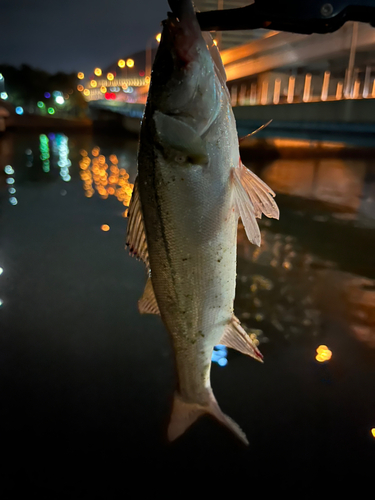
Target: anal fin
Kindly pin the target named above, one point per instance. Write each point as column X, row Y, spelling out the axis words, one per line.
column 235, row 337
column 147, row 304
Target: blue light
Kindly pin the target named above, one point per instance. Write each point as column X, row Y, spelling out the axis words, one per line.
column 51, row 136
column 47, row 95
column 11, row 190
column 19, row 110
column 10, row 180
column 9, row 170
column 13, row 200
column 222, row 362
column 4, row 95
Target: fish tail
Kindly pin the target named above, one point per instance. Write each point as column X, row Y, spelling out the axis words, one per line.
column 184, row 414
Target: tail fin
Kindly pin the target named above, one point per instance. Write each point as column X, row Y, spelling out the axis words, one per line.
column 184, row 414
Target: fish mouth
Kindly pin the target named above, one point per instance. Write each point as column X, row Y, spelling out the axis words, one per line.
column 184, row 35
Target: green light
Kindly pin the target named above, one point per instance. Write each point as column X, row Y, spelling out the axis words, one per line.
column 51, row 111
column 40, row 104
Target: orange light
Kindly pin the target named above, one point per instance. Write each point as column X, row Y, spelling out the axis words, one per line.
column 80, row 75
column 83, row 152
column 93, row 83
column 86, row 92
column 373, row 432
column 105, row 227
column 103, row 89
column 158, row 37
column 324, row 354
column 110, row 76
column 121, row 63
column 111, row 190
column 95, row 151
column 98, row 72
column 215, row 42
column 130, row 63
column 80, row 88
column 125, row 214
column 147, row 79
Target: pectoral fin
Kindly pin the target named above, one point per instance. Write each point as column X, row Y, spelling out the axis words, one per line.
column 235, row 337
column 147, row 304
column 136, row 236
column 176, row 134
column 252, row 197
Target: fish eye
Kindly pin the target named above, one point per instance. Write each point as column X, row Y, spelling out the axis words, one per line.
column 180, row 159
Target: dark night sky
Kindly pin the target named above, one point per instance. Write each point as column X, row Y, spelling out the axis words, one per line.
column 76, row 35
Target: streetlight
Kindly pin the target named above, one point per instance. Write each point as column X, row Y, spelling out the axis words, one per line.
column 149, row 53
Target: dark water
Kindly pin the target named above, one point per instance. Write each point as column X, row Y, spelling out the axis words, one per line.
column 87, row 383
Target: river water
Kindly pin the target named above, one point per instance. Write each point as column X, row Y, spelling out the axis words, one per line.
column 87, row 382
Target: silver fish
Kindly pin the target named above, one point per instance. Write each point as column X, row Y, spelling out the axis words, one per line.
column 190, row 191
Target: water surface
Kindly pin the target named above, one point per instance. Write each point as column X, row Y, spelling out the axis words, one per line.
column 87, row 382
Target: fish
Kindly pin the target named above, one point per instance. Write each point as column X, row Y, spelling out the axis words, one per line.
column 190, row 190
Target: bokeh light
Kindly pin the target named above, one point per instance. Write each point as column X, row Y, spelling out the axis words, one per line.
column 51, row 111
column 40, row 104
column 19, row 110
column 103, row 89
column 93, row 83
column 323, row 354
column 105, row 227
column 86, row 92
column 158, row 37
column 59, row 99
column 47, row 95
column 373, row 432
column 130, row 63
column 98, row 72
column 80, row 75
column 80, row 87
column 121, row 63
column 1, row 270
column 110, row 76
column 4, row 96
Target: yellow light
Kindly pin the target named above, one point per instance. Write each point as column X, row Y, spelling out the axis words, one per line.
column 130, row 63
column 103, row 89
column 121, row 63
column 86, row 92
column 373, row 432
column 98, row 72
column 110, row 76
column 81, row 76
column 105, row 227
column 124, row 86
column 158, row 37
column 80, row 88
column 215, row 42
column 93, row 83
column 147, row 79
column 324, row 354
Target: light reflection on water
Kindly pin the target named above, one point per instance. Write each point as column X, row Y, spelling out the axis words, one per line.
column 310, row 284
column 280, row 284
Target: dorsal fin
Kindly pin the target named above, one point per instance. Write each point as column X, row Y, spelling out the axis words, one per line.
column 147, row 304
column 235, row 337
column 136, row 236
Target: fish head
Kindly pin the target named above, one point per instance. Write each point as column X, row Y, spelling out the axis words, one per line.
column 183, row 97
